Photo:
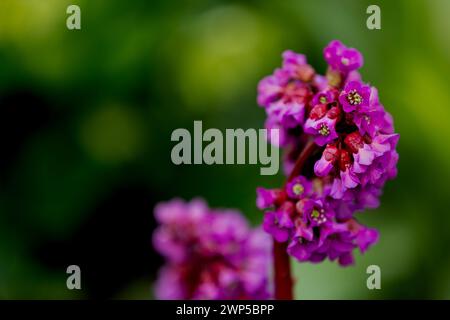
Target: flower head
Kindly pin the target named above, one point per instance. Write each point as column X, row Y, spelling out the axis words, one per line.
column 355, row 154
column 211, row 254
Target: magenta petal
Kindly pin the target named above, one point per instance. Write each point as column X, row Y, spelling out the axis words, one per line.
column 365, row 156
column 322, row 167
column 265, row 198
column 366, row 237
column 346, row 259
column 337, row 189
column 349, row 179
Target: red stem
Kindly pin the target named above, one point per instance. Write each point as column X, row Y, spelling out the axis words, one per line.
column 282, row 267
column 304, row 155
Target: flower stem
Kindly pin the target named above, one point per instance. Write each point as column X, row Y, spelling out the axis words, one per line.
column 282, row 267
column 309, row 148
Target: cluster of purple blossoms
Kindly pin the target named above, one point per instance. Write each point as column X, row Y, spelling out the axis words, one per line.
column 354, row 154
column 210, row 254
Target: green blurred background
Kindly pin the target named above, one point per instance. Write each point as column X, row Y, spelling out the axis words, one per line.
column 86, row 118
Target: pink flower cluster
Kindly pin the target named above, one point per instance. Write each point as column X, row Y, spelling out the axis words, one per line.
column 210, row 254
column 355, row 154
column 309, row 223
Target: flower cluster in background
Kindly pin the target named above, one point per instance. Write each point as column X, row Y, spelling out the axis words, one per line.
column 210, row 254
column 354, row 154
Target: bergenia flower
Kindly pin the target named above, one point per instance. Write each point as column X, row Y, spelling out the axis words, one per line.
column 355, row 96
column 323, row 129
column 296, row 67
column 278, row 224
column 341, row 58
column 324, row 97
column 298, row 188
column 210, row 254
column 267, row 197
column 350, row 143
